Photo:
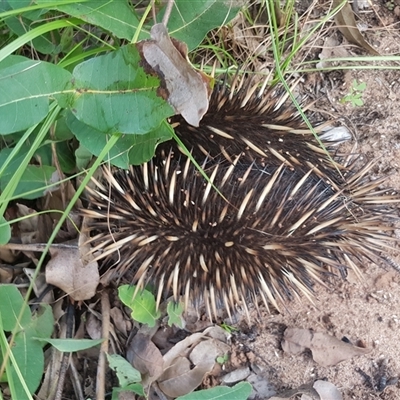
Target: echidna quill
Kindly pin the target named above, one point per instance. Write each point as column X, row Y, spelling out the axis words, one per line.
column 287, row 217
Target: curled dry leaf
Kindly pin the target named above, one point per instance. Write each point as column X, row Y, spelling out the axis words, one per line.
column 185, row 89
column 326, row 349
column 182, row 376
column 73, row 271
column 347, row 25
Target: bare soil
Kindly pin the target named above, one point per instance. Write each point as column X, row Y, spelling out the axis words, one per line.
column 366, row 312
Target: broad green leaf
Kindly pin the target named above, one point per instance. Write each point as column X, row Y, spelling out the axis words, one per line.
column 26, row 88
column 5, row 231
column 11, row 303
column 28, row 351
column 71, row 345
column 143, row 305
column 113, row 94
column 240, row 391
column 34, row 181
column 191, row 20
column 115, row 16
column 29, row 356
column 130, row 149
column 126, row 374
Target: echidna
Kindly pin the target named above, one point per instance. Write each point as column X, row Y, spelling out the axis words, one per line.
column 288, row 216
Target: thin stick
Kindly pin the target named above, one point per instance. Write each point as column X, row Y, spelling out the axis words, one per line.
column 168, row 10
column 101, row 368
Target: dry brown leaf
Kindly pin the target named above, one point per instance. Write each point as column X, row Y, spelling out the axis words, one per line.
column 28, row 226
column 327, row 350
column 75, row 275
column 144, row 355
column 347, row 25
column 6, row 273
column 185, row 89
column 93, row 327
column 119, row 321
column 180, row 379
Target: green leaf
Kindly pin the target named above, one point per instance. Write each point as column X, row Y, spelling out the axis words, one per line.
column 66, row 157
column 143, row 305
column 43, row 321
column 130, row 149
column 29, row 356
column 83, row 157
column 33, row 182
column 26, row 87
column 28, row 351
column 175, row 311
column 116, row 16
column 5, row 231
column 241, row 391
column 71, row 345
column 11, row 303
column 126, row 374
column 191, row 20
column 113, row 94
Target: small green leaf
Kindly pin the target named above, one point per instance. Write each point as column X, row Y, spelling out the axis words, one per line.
column 126, row 374
column 11, row 303
column 43, row 321
column 175, row 311
column 71, row 345
column 83, row 157
column 241, row 391
column 358, row 102
column 143, row 305
column 5, row 231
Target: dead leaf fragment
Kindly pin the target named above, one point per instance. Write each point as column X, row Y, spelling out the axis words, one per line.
column 185, row 89
column 327, row 390
column 327, row 350
column 145, row 356
column 182, row 376
column 347, row 25
column 180, row 379
column 70, row 272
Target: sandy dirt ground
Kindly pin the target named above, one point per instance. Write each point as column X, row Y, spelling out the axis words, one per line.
column 366, row 313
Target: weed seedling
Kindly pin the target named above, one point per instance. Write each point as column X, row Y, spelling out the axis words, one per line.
column 355, row 95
